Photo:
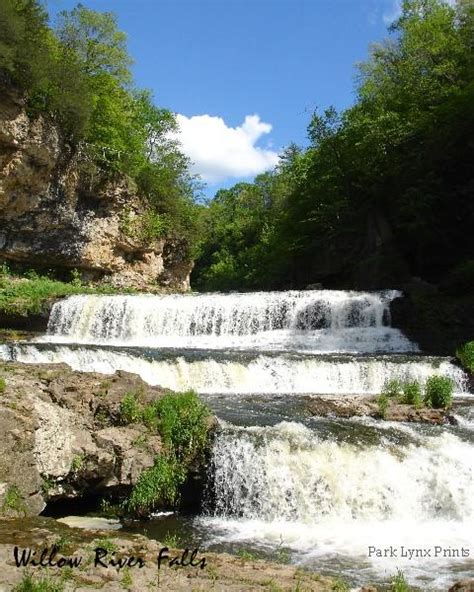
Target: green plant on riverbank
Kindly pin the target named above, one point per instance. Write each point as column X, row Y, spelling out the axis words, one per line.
column 399, row 583
column 22, row 295
column 29, row 583
column 439, row 392
column 383, row 402
column 14, row 501
column 411, row 393
column 3, row 384
column 182, row 421
column 465, row 354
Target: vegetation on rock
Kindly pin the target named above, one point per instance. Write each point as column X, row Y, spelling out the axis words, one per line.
column 77, row 72
column 439, row 392
column 182, row 421
column 22, row 295
column 465, row 354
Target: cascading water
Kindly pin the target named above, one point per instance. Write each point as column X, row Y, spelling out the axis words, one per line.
column 321, row 321
column 324, row 489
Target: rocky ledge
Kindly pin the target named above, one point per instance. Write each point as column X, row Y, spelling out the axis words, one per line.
column 58, row 213
column 61, row 436
column 221, row 572
column 364, row 405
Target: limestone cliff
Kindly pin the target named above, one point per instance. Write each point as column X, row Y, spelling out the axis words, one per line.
column 53, row 214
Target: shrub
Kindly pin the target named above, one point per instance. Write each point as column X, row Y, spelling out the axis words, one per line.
column 465, row 355
column 3, row 384
column 183, row 423
column 157, row 486
column 392, row 388
column 131, row 410
column 412, row 393
column 382, row 404
column 439, row 392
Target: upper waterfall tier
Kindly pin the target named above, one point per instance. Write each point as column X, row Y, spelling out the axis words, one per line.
column 320, row 321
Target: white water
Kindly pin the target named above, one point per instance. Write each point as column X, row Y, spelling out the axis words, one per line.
column 326, row 499
column 320, row 321
column 248, row 375
column 282, row 486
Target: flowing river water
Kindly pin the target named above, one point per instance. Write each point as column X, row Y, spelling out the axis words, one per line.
column 313, row 491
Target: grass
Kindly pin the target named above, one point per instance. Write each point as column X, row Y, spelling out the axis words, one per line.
column 339, row 585
column 3, row 384
column 32, row 584
column 465, row 355
column 246, row 555
column 14, row 501
column 383, row 402
column 181, row 419
column 399, row 583
column 23, row 295
column 172, row 540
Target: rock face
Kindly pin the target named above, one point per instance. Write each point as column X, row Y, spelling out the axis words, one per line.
column 60, row 436
column 56, row 214
column 357, row 406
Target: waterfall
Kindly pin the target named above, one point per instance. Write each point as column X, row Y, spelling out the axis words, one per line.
column 316, row 320
column 250, row 373
column 287, row 473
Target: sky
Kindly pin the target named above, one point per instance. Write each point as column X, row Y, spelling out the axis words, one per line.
column 244, row 76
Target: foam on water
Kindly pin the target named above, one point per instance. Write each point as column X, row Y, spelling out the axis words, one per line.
column 282, row 486
column 312, row 320
column 252, row 374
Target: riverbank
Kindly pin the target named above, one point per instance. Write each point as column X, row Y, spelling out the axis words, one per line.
column 222, row 572
column 68, row 435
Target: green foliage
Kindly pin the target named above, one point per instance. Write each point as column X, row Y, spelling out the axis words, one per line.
column 465, row 355
column 339, row 585
column 171, row 540
column 383, row 402
column 77, row 463
column 3, row 384
column 399, row 583
column 393, row 388
column 79, row 74
column 411, row 393
column 105, row 543
column 22, row 296
column 131, row 410
column 30, row 583
column 14, row 501
column 183, row 423
column 157, row 486
column 246, row 555
column 384, row 191
column 439, row 392
column 181, row 419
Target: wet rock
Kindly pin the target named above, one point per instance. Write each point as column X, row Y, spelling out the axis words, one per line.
column 463, row 586
column 357, row 406
column 60, row 435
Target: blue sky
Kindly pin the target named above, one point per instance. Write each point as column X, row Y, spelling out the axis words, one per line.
column 245, row 75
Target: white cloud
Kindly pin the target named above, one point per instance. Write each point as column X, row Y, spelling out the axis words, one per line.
column 221, row 152
column 395, row 10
